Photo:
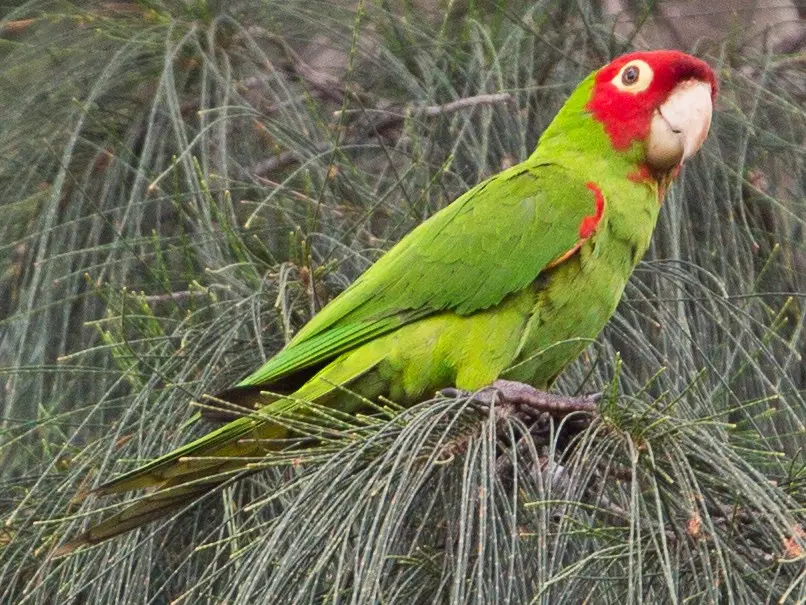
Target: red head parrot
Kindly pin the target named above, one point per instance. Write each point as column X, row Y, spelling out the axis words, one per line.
column 507, row 282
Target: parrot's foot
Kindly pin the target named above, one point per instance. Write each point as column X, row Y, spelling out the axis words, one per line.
column 529, row 401
column 547, row 418
column 532, row 402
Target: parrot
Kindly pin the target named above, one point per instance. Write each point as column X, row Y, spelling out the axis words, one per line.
column 506, row 285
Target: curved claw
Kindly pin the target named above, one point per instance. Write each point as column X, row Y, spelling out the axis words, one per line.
column 453, row 393
column 594, row 397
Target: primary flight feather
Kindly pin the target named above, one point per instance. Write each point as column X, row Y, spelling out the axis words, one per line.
column 509, row 281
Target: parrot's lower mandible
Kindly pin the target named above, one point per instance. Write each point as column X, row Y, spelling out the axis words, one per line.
column 505, row 284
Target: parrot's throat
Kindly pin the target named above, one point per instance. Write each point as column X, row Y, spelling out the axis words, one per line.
column 655, row 179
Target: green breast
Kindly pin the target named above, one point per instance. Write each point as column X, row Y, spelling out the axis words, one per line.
column 574, row 302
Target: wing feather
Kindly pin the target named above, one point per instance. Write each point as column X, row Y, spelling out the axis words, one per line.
column 492, row 241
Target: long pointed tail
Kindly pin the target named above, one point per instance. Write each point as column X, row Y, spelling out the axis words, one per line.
column 152, row 507
column 187, row 473
column 180, row 477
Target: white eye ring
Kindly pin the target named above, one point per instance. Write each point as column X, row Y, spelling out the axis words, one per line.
column 634, row 77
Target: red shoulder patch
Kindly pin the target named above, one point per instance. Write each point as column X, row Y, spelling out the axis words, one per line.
column 589, row 223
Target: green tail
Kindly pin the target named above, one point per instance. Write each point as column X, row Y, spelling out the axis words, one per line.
column 193, row 470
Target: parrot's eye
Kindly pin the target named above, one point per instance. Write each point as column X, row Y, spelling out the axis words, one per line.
column 634, row 77
column 630, row 75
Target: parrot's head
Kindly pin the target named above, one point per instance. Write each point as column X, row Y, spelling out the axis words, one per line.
column 661, row 99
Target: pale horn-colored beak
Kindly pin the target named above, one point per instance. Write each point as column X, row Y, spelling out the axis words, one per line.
column 680, row 125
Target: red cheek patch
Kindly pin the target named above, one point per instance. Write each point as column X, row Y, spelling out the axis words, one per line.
column 589, row 223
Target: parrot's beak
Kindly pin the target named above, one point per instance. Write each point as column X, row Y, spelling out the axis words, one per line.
column 680, row 125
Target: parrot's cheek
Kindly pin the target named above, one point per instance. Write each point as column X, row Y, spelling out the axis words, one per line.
column 679, row 126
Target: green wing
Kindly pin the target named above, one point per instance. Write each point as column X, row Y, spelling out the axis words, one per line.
column 492, row 241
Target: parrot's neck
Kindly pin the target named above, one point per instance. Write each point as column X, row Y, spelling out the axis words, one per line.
column 579, row 143
column 577, row 140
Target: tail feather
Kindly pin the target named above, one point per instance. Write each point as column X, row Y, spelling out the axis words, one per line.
column 152, row 507
column 187, row 473
column 191, row 458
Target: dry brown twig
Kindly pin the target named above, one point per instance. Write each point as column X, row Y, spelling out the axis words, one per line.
column 390, row 119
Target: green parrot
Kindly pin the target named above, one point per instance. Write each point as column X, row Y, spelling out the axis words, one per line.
column 508, row 283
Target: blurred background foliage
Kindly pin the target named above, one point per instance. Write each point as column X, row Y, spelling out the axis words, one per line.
column 184, row 183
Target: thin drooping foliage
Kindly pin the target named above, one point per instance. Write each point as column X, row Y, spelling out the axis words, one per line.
column 185, row 183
